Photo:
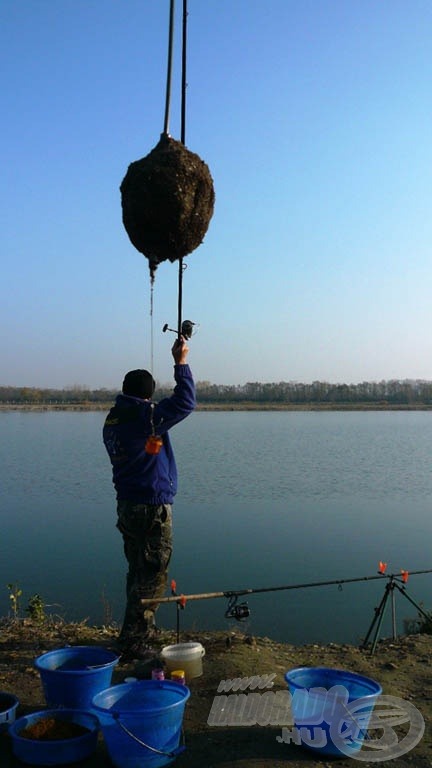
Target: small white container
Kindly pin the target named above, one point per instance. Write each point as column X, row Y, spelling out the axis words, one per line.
column 186, row 656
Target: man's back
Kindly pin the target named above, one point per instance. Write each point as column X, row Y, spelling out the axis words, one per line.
column 139, row 473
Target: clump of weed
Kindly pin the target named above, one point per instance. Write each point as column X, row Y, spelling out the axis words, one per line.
column 36, row 610
column 15, row 593
column 167, row 202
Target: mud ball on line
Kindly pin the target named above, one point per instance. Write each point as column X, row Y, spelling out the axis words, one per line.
column 167, row 202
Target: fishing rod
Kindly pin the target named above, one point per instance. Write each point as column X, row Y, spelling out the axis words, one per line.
column 240, row 611
column 229, row 593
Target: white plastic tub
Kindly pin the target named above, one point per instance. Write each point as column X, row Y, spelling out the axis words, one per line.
column 186, row 656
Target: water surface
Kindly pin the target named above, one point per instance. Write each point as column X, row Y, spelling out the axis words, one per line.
column 265, row 500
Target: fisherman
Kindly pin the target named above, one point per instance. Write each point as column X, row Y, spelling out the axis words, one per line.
column 136, row 437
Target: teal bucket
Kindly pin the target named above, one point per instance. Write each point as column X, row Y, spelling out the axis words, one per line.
column 331, row 709
column 71, row 676
column 142, row 722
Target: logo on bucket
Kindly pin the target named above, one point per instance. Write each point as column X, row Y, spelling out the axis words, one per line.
column 381, row 741
column 353, row 729
column 324, row 721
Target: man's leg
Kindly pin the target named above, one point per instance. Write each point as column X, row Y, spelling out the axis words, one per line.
column 147, row 538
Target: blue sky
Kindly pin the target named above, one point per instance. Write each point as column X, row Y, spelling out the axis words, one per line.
column 315, row 119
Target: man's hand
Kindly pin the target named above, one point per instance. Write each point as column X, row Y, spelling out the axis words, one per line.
column 180, row 351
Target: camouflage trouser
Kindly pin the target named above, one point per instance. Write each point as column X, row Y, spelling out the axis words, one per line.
column 147, row 539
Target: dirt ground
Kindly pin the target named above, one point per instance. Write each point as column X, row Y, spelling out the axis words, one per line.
column 402, row 667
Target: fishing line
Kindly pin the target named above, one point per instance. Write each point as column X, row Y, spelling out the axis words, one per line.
column 183, row 140
column 168, row 196
column 169, row 68
column 182, row 266
column 166, row 133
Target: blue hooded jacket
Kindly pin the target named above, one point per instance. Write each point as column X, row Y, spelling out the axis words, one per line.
column 140, row 477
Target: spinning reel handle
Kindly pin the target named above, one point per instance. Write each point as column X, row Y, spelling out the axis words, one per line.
column 186, row 329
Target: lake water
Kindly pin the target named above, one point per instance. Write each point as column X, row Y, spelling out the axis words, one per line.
column 264, row 500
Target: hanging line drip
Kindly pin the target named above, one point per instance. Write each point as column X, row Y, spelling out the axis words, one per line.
column 183, row 140
column 151, row 327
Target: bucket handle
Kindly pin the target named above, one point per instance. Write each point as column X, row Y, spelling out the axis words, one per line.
column 174, row 752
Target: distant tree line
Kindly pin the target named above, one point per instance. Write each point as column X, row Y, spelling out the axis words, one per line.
column 73, row 395
column 391, row 392
column 394, row 392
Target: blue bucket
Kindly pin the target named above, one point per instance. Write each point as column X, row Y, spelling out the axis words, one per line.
column 8, row 707
column 331, row 709
column 72, row 676
column 55, row 751
column 142, row 722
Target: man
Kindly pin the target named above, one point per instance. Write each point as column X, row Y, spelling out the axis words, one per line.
column 136, row 437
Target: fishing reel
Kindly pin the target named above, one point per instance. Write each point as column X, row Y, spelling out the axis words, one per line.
column 239, row 612
column 187, row 329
